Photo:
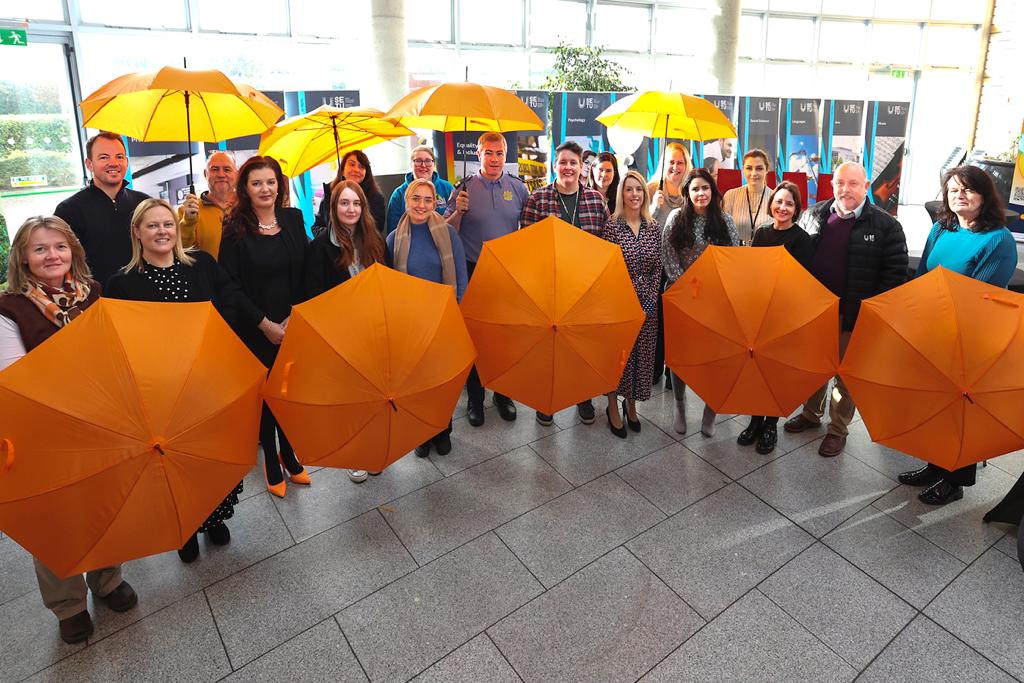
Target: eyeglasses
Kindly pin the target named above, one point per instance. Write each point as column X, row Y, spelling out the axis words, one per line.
column 423, row 162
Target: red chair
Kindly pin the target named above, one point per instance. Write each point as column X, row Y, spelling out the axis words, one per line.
column 770, row 180
column 800, row 180
column 824, row 187
column 728, row 179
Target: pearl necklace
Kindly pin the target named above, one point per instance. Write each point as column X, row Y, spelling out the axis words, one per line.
column 266, row 228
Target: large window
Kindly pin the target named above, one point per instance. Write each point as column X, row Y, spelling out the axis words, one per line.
column 268, row 17
column 623, row 27
column 477, row 23
column 172, row 14
column 429, row 20
column 556, row 21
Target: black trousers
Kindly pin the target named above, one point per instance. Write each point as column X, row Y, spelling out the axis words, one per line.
column 474, row 388
column 271, row 434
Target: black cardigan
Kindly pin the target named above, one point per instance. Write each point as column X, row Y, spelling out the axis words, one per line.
column 236, row 258
column 322, row 272
column 207, row 281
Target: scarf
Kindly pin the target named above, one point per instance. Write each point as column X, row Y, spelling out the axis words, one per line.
column 59, row 306
column 442, row 240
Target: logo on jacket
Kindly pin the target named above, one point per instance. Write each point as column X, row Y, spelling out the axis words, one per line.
column 869, row 237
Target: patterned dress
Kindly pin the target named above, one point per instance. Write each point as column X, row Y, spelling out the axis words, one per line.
column 642, row 254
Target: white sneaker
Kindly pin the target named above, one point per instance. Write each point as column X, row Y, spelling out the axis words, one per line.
column 358, row 476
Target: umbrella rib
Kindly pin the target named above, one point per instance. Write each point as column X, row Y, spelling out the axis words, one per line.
column 768, row 384
column 764, row 315
column 590, row 288
column 134, row 383
column 925, row 419
column 188, row 375
column 543, row 315
column 198, row 422
column 345, row 360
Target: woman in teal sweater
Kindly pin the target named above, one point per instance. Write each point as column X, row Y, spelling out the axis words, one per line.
column 969, row 238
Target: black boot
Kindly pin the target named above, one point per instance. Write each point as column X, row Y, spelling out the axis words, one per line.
column 219, row 534
column 190, row 551
column 752, row 432
column 941, row 493
column 767, row 438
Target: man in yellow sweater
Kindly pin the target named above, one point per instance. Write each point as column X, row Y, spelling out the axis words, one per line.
column 199, row 218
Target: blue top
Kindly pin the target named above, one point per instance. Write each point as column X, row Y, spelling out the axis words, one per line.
column 987, row 256
column 425, row 261
column 494, row 210
column 396, row 205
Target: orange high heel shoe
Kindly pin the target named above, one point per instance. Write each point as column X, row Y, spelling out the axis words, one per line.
column 275, row 489
column 302, row 478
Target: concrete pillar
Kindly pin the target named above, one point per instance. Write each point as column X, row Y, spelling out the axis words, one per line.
column 388, row 78
column 727, row 38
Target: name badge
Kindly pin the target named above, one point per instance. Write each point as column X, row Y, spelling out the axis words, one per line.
column 507, row 195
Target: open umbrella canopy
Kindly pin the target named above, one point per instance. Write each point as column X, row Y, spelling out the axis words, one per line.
column 936, row 367
column 464, row 106
column 662, row 114
column 118, row 445
column 751, row 331
column 326, row 133
column 553, row 314
column 370, row 369
column 175, row 104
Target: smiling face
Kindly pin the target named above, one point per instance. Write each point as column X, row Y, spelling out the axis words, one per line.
column 492, row 158
column 261, row 186
column 108, row 162
column 632, row 194
column 348, row 209
column 420, row 204
column 700, row 194
column 567, row 168
column 963, row 201
column 783, row 208
column 422, row 165
column 850, row 186
column 353, row 170
column 221, row 174
column 604, row 174
column 676, row 167
column 157, row 232
column 48, row 256
column 754, row 170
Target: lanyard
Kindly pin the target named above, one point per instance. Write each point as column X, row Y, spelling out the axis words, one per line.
column 754, row 213
column 575, row 209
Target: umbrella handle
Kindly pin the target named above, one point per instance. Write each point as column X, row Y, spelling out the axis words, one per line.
column 8, row 446
column 284, row 377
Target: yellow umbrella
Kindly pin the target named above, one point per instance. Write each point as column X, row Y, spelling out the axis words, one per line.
column 179, row 104
column 662, row 114
column 305, row 141
column 464, row 106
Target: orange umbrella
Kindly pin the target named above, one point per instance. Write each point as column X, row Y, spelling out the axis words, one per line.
column 553, row 314
column 751, row 331
column 370, row 369
column 119, row 446
column 936, row 367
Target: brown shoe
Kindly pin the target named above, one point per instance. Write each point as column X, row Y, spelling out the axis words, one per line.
column 831, row 446
column 799, row 424
column 121, row 599
column 77, row 628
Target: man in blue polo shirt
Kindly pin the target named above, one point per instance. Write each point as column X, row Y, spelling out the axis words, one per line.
column 487, row 205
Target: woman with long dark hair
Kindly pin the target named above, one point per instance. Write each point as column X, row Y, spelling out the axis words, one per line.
column 354, row 166
column 605, row 178
column 263, row 249
column 688, row 232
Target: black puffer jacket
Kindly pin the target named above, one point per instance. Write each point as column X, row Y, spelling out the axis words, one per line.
column 877, row 260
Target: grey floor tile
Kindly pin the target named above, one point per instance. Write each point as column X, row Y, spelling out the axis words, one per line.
column 446, row 514
column 661, row 410
column 319, row 654
column 17, row 573
column 257, row 532
column 420, row 618
column 957, row 527
column 476, row 661
column 753, row 640
column 333, row 498
column 261, row 607
column 1011, row 463
column 672, row 478
column 29, row 640
column 180, row 643
column 609, row 622
column 716, row 550
column 900, row 559
column 585, row 452
column 722, row 451
column 817, row 493
column 255, row 482
column 472, row 445
column 888, row 461
column 926, row 652
column 846, row 609
column 565, row 534
column 1008, row 544
column 983, row 607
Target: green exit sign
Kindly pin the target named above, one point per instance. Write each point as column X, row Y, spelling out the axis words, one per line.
column 900, row 73
column 13, row 36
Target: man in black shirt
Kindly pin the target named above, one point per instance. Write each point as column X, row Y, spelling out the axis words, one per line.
column 101, row 213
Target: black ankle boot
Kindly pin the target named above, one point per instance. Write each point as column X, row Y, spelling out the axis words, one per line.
column 767, row 438
column 941, row 493
column 752, row 432
column 190, row 551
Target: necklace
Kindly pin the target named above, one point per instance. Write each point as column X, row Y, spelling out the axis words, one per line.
column 267, row 228
column 575, row 209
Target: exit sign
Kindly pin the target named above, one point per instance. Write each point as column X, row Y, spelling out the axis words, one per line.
column 900, row 73
column 13, row 36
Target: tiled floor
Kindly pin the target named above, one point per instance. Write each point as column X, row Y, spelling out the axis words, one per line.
column 564, row 554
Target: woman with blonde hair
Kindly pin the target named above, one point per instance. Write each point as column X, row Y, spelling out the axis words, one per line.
column 161, row 270
column 639, row 236
column 666, row 193
column 425, row 246
column 49, row 286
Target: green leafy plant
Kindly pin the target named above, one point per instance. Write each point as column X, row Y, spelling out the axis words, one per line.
column 585, row 69
column 56, row 166
column 52, row 133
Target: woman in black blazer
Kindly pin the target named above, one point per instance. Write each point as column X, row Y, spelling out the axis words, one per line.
column 263, row 250
column 161, row 270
